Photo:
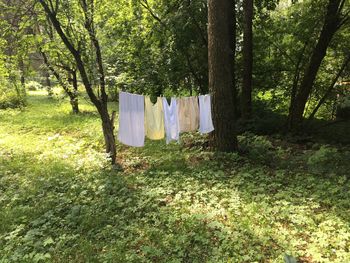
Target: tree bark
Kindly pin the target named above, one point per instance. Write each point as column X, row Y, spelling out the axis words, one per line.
column 48, row 84
column 221, row 78
column 74, row 101
column 246, row 98
column 330, row 26
column 108, row 133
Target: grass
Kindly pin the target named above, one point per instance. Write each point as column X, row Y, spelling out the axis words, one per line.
column 61, row 202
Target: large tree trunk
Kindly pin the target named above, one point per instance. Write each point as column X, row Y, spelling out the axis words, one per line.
column 221, row 81
column 330, row 26
column 246, row 98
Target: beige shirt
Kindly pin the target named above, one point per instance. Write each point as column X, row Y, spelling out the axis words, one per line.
column 188, row 113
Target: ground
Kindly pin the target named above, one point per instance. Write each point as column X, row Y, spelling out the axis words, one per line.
column 60, row 201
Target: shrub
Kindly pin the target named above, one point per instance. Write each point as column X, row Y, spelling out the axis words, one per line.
column 258, row 148
column 328, row 159
column 11, row 97
column 33, row 85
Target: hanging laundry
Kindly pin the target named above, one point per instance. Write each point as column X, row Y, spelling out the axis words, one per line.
column 205, row 119
column 188, row 113
column 131, row 119
column 154, row 119
column 171, row 122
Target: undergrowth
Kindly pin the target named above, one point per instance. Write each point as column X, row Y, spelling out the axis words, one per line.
column 60, row 201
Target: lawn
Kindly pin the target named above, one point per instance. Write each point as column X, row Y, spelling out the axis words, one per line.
column 60, row 201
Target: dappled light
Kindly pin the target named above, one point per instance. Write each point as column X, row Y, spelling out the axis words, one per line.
column 61, row 201
column 175, row 131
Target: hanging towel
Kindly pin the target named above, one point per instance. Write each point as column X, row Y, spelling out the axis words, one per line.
column 188, row 113
column 131, row 119
column 205, row 120
column 171, row 122
column 154, row 119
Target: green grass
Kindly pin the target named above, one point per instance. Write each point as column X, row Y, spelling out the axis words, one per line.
column 61, row 202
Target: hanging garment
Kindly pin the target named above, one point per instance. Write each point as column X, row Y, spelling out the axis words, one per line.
column 205, row 120
column 188, row 113
column 171, row 122
column 154, row 119
column 131, row 119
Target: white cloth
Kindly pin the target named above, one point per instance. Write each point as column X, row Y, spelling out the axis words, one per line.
column 205, row 120
column 131, row 119
column 171, row 121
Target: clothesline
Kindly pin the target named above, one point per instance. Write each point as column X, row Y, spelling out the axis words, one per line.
column 140, row 118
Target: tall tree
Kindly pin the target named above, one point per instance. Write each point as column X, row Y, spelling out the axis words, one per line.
column 246, row 97
column 221, row 77
column 333, row 20
column 100, row 99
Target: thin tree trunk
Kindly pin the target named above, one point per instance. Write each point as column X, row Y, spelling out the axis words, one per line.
column 330, row 88
column 221, row 81
column 246, row 99
column 22, row 71
column 329, row 28
column 48, row 84
column 74, row 99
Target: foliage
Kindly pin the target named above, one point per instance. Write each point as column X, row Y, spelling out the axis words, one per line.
column 328, row 159
column 9, row 97
column 33, row 85
column 258, row 148
column 61, row 202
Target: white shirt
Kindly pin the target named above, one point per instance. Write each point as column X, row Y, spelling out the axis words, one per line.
column 205, row 120
column 131, row 119
column 171, row 121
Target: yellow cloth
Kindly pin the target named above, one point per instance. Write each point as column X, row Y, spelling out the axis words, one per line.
column 188, row 112
column 154, row 119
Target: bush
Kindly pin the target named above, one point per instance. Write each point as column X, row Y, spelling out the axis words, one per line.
column 328, row 159
column 33, row 85
column 10, row 97
column 258, row 148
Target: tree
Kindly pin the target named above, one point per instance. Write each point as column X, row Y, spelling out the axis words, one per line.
column 333, row 20
column 58, row 60
column 246, row 97
column 15, row 31
column 67, row 80
column 74, row 46
column 221, row 78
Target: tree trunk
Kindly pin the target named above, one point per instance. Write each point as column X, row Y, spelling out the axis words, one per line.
column 74, row 101
column 221, row 81
column 108, row 133
column 233, row 42
column 330, row 26
column 246, row 98
column 48, row 84
column 22, row 71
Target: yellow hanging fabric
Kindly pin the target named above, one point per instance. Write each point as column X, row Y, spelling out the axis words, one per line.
column 154, row 119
